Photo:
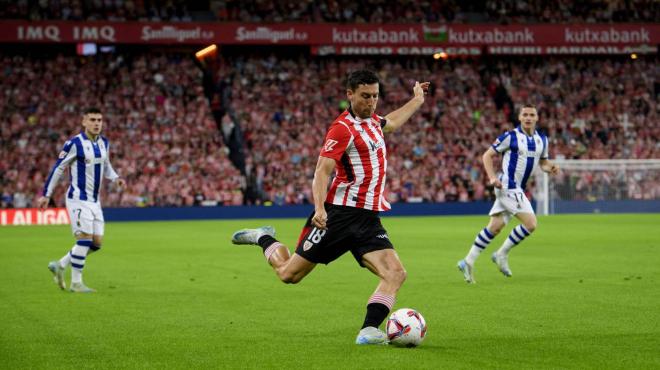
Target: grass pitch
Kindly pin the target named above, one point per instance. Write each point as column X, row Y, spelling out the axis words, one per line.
column 584, row 294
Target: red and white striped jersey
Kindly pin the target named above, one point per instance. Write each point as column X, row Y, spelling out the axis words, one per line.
column 358, row 148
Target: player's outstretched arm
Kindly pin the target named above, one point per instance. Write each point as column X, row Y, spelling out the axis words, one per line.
column 397, row 118
column 324, row 169
column 65, row 158
column 549, row 167
column 487, row 158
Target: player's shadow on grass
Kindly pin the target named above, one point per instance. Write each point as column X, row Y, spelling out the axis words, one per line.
column 423, row 347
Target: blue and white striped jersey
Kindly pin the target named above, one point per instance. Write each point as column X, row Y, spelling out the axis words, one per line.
column 522, row 154
column 87, row 161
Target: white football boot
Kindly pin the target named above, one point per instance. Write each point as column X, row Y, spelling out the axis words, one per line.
column 58, row 274
column 251, row 236
column 81, row 288
column 466, row 269
column 502, row 262
column 371, row 335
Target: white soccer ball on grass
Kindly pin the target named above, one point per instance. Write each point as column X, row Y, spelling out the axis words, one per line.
column 406, row 328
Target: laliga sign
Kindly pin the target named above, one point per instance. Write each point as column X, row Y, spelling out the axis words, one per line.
column 34, row 216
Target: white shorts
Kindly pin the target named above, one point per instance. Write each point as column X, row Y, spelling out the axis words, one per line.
column 86, row 217
column 509, row 203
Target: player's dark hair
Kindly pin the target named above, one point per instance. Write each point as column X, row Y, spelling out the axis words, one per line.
column 361, row 77
column 93, row 110
column 526, row 106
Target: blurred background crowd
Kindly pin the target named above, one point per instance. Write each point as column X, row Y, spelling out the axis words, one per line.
column 166, row 144
column 343, row 11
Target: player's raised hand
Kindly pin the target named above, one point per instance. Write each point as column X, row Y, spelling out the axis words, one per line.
column 495, row 182
column 320, row 218
column 42, row 202
column 421, row 89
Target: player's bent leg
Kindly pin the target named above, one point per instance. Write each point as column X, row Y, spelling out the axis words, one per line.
column 289, row 269
column 386, row 265
column 517, row 235
column 294, row 269
column 78, row 258
column 57, row 268
column 483, row 239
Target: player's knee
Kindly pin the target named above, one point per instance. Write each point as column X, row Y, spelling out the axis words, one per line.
column 81, row 235
column 396, row 276
column 495, row 228
column 530, row 226
column 290, row 278
column 495, row 225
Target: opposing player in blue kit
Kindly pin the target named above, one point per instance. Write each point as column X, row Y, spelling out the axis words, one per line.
column 87, row 156
column 523, row 150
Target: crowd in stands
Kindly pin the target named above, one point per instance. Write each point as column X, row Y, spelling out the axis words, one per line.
column 163, row 139
column 165, row 143
column 343, row 11
column 85, row 10
column 590, row 108
column 610, row 184
column 412, row 11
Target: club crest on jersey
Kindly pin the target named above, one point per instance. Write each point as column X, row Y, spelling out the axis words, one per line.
column 329, row 145
column 307, row 245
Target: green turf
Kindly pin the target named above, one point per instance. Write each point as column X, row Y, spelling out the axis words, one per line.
column 584, row 294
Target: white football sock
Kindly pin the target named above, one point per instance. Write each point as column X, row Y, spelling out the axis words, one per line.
column 517, row 235
column 66, row 260
column 78, row 255
column 480, row 243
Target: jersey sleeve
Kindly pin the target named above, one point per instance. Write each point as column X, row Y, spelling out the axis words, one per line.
column 64, row 159
column 502, row 143
column 336, row 141
column 544, row 152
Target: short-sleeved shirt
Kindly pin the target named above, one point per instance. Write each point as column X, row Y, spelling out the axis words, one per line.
column 358, row 148
column 88, row 161
column 522, row 154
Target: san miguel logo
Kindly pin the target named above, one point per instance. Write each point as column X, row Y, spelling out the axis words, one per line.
column 435, row 34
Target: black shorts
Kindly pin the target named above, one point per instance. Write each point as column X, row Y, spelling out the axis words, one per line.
column 348, row 229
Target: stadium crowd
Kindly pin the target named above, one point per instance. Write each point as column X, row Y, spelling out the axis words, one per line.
column 166, row 144
column 344, row 11
column 163, row 139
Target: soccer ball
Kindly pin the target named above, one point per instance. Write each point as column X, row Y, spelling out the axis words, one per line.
column 406, row 328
